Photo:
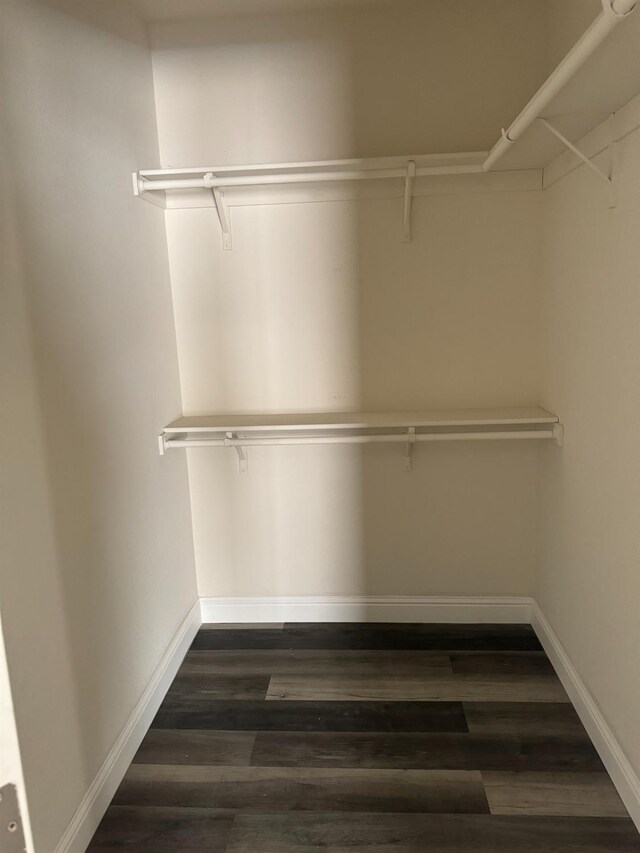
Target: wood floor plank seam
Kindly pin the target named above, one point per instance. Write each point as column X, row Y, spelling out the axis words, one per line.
column 347, row 737
column 311, row 715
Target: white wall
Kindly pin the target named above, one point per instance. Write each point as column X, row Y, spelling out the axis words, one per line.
column 321, row 306
column 589, row 584
column 380, row 79
column 97, row 549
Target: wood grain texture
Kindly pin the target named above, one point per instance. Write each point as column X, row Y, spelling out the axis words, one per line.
column 195, row 747
column 355, row 738
column 551, row 719
column 401, row 833
column 453, row 688
column 426, row 751
column 162, row 830
column 374, row 636
column 501, row 663
column 317, row 716
column 191, row 690
column 283, row 789
column 319, row 663
column 578, row 794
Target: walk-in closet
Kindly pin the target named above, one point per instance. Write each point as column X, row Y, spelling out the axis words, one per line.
column 320, row 516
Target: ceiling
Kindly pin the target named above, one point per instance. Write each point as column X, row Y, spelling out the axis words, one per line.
column 607, row 81
column 171, row 10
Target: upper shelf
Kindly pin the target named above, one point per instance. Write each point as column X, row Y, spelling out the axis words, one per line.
column 573, row 100
column 362, row 420
column 310, row 171
column 151, row 183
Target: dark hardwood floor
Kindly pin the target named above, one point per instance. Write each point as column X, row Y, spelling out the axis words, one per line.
column 347, row 737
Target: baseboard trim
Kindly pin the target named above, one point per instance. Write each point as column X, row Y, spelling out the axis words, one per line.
column 622, row 773
column 94, row 804
column 366, row 609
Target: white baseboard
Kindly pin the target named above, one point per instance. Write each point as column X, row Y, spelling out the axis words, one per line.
column 94, row 804
column 327, row 608
column 622, row 773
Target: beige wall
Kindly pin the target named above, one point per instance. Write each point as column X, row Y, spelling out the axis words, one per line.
column 97, row 554
column 589, row 584
column 321, row 306
column 384, row 78
column 318, row 306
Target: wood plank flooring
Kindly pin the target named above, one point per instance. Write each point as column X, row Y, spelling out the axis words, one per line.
column 349, row 737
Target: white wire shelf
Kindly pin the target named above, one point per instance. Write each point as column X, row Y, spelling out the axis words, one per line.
column 308, row 171
column 149, row 184
column 543, row 139
column 240, row 431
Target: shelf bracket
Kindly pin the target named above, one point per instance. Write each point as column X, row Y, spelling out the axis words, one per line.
column 408, row 449
column 161, row 444
column 408, row 198
column 221, row 209
column 243, row 460
column 140, row 192
column 558, row 434
column 613, row 196
column 586, row 160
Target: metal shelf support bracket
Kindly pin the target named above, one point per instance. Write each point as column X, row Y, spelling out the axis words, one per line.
column 221, row 209
column 608, row 177
column 408, row 198
column 243, row 459
column 408, row 449
column 558, row 434
column 613, row 196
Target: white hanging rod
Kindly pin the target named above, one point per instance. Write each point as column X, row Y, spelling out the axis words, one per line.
column 210, row 180
column 409, row 439
column 217, row 179
column 401, row 438
column 389, row 162
column 613, row 12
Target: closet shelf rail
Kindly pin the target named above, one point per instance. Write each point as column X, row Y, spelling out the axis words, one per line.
column 613, row 13
column 406, row 428
column 220, row 179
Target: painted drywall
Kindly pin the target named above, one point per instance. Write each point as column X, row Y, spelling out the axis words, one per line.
column 588, row 584
column 608, row 79
column 322, row 306
column 391, row 78
column 97, row 550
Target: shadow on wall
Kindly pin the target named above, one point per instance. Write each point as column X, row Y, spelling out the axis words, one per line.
column 100, row 552
column 320, row 306
column 38, row 643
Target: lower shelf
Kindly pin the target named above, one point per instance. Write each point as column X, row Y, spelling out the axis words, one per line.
column 408, row 428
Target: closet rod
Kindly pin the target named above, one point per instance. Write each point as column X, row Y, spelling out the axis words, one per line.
column 613, row 12
column 362, row 439
column 210, row 180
